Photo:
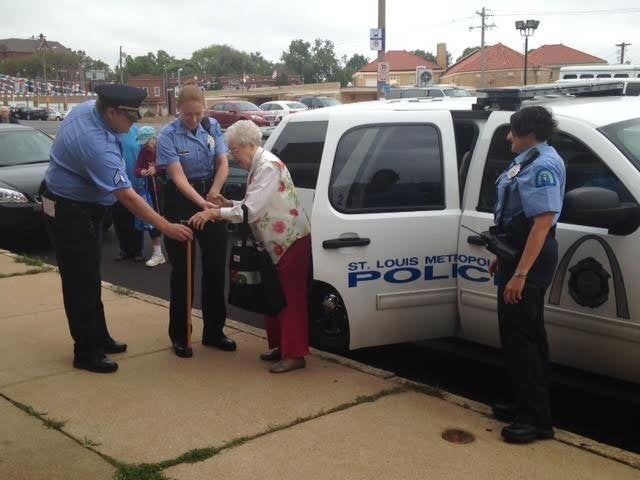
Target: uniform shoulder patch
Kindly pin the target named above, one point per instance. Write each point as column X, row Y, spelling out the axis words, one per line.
column 545, row 178
column 118, row 178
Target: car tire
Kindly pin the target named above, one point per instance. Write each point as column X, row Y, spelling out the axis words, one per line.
column 328, row 319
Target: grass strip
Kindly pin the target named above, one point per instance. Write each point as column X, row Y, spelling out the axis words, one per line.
column 149, row 471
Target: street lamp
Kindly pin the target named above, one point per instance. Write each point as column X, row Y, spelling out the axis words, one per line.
column 526, row 27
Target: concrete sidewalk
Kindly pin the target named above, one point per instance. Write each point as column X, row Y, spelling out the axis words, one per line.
column 222, row 415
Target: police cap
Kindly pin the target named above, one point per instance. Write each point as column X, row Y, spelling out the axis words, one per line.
column 122, row 97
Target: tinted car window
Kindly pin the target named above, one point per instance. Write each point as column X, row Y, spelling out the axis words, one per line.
column 329, row 102
column 24, row 146
column 300, row 147
column 388, row 168
column 584, row 168
column 435, row 93
column 633, row 89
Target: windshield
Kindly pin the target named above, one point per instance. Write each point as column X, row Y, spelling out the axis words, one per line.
column 20, row 147
column 626, row 136
column 456, row 92
column 247, row 107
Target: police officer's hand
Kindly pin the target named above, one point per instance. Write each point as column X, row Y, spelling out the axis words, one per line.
column 200, row 219
column 178, row 232
column 219, row 201
column 513, row 290
column 493, row 267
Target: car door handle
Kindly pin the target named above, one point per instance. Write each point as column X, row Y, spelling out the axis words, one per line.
column 345, row 242
column 475, row 240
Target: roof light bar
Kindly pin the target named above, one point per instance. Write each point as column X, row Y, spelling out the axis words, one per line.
column 511, row 98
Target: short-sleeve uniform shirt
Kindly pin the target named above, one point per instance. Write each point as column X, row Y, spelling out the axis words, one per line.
column 196, row 152
column 536, row 189
column 86, row 163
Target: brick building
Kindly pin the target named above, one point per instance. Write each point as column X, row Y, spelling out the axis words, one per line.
column 402, row 68
column 25, row 47
column 553, row 57
column 154, row 85
column 504, row 66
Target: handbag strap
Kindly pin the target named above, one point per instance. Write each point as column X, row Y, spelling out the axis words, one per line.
column 245, row 225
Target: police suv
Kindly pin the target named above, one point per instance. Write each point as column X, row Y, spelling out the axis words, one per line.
column 389, row 185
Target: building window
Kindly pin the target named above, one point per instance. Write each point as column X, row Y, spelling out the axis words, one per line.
column 146, row 89
column 156, row 91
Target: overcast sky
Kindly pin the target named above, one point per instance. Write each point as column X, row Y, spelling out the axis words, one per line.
column 269, row 26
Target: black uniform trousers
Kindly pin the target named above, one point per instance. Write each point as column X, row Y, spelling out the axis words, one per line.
column 524, row 337
column 130, row 239
column 76, row 234
column 213, row 247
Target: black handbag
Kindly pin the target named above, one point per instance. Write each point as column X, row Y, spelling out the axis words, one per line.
column 253, row 280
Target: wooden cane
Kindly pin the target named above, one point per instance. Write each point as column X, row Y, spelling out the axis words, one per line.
column 155, row 193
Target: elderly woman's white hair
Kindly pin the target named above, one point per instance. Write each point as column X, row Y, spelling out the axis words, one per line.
column 243, row 132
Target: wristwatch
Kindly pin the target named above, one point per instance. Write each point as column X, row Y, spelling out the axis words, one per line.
column 520, row 274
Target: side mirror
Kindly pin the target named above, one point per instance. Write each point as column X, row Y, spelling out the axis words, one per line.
column 600, row 207
column 232, row 112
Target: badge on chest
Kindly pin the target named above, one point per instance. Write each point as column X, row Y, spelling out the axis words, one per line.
column 513, row 171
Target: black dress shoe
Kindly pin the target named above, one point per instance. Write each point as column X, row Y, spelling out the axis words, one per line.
column 121, row 256
column 223, row 343
column 182, row 350
column 505, row 412
column 96, row 363
column 526, row 433
column 113, row 346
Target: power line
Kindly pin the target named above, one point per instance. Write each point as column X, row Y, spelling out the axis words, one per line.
column 619, row 11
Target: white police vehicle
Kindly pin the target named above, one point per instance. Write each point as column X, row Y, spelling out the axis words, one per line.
column 388, row 185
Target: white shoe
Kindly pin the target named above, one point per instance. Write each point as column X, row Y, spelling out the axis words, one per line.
column 155, row 260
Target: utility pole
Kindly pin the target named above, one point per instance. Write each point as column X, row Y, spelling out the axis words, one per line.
column 382, row 20
column 622, row 46
column 43, row 48
column 483, row 15
column 120, row 61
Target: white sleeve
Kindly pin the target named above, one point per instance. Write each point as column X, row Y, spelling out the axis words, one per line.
column 265, row 183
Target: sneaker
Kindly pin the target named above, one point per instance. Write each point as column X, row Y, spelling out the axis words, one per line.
column 155, row 260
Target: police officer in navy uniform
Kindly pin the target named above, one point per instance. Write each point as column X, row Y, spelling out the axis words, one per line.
column 529, row 201
column 195, row 159
column 86, row 175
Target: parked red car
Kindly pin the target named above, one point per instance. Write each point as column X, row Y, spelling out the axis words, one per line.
column 229, row 112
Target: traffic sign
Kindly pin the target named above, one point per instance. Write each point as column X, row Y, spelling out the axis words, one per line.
column 383, row 72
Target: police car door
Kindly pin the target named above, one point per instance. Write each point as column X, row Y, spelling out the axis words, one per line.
column 384, row 223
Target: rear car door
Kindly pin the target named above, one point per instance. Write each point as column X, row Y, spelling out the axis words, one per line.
column 384, row 223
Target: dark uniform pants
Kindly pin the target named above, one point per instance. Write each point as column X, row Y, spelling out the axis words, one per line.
column 524, row 342
column 76, row 234
column 130, row 239
column 212, row 241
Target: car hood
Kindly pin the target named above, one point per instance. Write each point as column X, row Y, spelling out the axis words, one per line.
column 23, row 178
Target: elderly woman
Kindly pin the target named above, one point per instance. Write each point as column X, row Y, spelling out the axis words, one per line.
column 278, row 221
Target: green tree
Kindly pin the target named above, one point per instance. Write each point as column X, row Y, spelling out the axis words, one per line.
column 426, row 55
column 467, row 51
column 323, row 58
column 356, row 62
column 298, row 59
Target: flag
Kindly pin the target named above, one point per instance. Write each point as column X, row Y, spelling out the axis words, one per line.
column 274, row 75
